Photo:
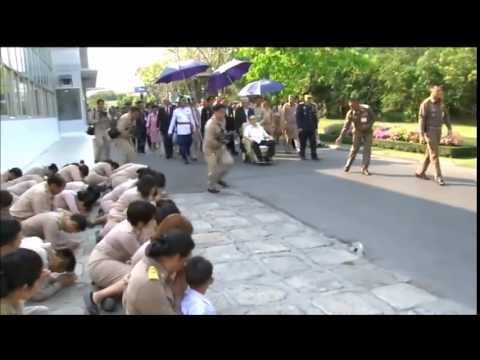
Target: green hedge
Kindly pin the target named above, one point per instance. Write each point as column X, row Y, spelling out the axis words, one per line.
column 463, row 151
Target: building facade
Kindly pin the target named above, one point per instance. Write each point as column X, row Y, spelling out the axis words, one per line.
column 42, row 96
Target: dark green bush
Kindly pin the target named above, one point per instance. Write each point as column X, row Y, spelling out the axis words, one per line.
column 464, row 151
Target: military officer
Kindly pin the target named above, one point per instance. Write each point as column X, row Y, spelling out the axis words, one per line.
column 432, row 115
column 218, row 158
column 102, row 121
column 307, row 123
column 150, row 288
column 126, row 126
column 362, row 118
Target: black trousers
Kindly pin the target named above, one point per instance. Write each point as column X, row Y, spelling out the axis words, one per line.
column 168, row 145
column 141, row 141
column 311, row 137
column 231, row 144
column 258, row 152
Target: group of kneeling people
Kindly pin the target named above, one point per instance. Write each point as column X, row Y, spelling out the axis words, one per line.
column 143, row 252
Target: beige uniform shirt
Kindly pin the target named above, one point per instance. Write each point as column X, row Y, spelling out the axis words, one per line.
column 121, row 242
column 101, row 122
column 35, row 200
column 127, row 173
column 432, row 115
column 8, row 309
column 149, row 290
column 289, row 115
column 362, row 120
column 119, row 210
column 102, row 169
column 214, row 137
column 21, row 187
column 70, row 173
column 125, row 126
column 115, row 194
column 4, row 177
column 21, row 179
column 47, row 226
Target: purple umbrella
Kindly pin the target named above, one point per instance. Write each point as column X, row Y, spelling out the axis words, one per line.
column 260, row 87
column 181, row 71
column 227, row 74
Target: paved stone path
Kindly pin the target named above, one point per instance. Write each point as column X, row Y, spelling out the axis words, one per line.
column 266, row 262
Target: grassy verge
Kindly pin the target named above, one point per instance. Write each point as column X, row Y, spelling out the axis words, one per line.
column 467, row 132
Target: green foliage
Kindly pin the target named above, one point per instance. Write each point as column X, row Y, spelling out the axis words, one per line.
column 106, row 95
column 391, row 80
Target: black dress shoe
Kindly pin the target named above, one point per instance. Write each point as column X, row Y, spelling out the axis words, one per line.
column 315, row 158
column 186, row 162
column 346, row 168
column 213, row 191
column 222, row 183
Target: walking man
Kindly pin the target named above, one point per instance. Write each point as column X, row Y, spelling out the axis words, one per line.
column 219, row 160
column 164, row 117
column 362, row 118
column 307, row 123
column 431, row 116
column 206, row 113
column 140, row 128
column 126, row 127
column 289, row 121
column 102, row 122
column 242, row 114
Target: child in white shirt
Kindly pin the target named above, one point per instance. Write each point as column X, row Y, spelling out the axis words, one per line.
column 198, row 273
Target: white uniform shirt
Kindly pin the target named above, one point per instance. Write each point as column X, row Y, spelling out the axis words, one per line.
column 256, row 133
column 36, row 244
column 194, row 303
column 182, row 122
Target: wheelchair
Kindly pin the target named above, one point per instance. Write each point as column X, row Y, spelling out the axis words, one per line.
column 249, row 156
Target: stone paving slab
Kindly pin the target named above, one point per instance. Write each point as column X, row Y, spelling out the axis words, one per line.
column 266, row 262
column 403, row 296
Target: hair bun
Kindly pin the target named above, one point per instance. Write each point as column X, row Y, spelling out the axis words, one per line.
column 82, row 162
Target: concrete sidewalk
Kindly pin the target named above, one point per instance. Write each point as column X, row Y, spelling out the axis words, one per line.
column 265, row 262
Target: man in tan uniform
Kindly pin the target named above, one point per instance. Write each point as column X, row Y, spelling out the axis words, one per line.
column 38, row 199
column 218, row 159
column 431, row 116
column 362, row 118
column 53, row 226
column 126, row 126
column 289, row 121
column 102, row 121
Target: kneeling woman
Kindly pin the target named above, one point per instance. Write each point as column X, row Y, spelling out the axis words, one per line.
column 108, row 263
column 80, row 202
column 147, row 189
column 150, row 290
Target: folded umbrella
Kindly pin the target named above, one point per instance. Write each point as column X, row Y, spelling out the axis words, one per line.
column 181, row 71
column 227, row 74
column 260, row 87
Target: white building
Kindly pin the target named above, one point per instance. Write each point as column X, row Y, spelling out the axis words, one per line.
column 42, row 96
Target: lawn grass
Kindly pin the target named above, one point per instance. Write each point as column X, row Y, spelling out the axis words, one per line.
column 468, row 135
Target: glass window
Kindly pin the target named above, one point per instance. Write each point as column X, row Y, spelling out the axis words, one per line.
column 20, row 60
column 4, row 55
column 22, row 91
column 15, row 96
column 3, row 90
column 13, row 57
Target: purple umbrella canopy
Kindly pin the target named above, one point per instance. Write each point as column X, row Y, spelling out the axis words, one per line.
column 181, row 71
column 260, row 87
column 227, row 74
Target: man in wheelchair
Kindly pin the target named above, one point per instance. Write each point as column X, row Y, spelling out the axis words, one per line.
column 259, row 145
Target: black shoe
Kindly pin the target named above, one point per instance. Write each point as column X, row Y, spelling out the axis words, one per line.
column 346, row 168
column 92, row 308
column 222, row 183
column 213, row 191
column 315, row 158
column 186, row 162
column 109, row 305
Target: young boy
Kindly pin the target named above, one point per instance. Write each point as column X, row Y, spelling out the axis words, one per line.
column 198, row 273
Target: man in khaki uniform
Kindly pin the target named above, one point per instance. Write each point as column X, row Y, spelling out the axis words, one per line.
column 126, row 126
column 431, row 116
column 289, row 121
column 218, row 159
column 362, row 118
column 38, row 199
column 102, row 121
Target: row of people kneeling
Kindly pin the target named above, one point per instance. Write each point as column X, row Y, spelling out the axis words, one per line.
column 131, row 220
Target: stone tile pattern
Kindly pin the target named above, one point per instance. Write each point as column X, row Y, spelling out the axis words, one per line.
column 266, row 262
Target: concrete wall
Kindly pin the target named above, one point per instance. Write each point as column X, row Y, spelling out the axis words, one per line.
column 25, row 139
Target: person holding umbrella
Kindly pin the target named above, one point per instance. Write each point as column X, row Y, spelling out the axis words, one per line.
column 183, row 126
column 307, row 126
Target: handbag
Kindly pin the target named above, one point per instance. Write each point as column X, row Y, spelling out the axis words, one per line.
column 91, row 130
column 113, row 133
